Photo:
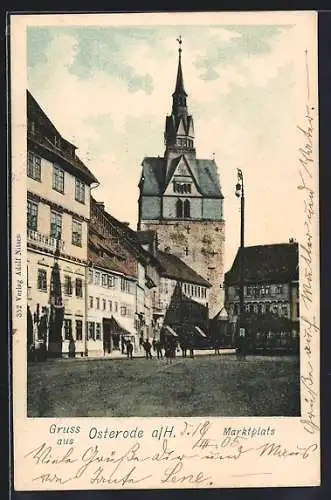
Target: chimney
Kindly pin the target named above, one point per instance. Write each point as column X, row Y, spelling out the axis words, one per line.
column 101, row 205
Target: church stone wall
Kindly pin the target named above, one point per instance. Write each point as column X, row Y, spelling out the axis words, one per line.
column 200, row 244
column 212, row 209
column 169, row 207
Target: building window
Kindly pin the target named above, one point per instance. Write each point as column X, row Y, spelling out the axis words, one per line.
column 67, row 329
column 57, row 141
column 111, row 281
column 90, row 277
column 182, row 188
column 97, row 278
column 187, row 209
column 56, row 225
column 98, row 331
column 42, row 280
column 298, row 309
column 279, row 289
column 179, row 209
column 80, row 191
column 110, row 305
column 91, row 302
column 123, row 310
column 32, row 216
column 103, row 304
column 58, row 179
column 116, row 307
column 67, row 285
column 31, row 127
column 79, row 329
column 76, row 233
column 97, row 303
column 34, row 166
column 285, row 311
column 91, row 330
column 79, row 287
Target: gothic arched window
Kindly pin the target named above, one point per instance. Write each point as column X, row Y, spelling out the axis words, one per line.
column 187, row 209
column 179, row 209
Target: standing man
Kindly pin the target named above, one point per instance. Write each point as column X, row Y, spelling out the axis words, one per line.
column 148, row 347
column 158, row 347
column 122, row 344
column 129, row 349
column 241, row 347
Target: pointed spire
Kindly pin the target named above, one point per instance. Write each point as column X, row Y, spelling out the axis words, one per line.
column 179, row 131
column 179, row 90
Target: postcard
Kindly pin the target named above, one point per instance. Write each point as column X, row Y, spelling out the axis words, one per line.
column 165, row 267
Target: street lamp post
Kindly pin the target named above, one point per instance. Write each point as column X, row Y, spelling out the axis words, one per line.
column 241, row 194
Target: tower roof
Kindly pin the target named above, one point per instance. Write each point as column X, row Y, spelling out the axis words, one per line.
column 179, row 89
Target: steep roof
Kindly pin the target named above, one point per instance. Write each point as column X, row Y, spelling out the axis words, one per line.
column 179, row 89
column 277, row 263
column 43, row 137
column 153, row 178
column 175, row 268
column 107, row 254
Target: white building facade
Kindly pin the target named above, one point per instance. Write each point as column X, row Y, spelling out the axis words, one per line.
column 111, row 296
column 58, row 209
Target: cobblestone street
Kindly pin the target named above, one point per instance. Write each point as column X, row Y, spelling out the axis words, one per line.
column 204, row 386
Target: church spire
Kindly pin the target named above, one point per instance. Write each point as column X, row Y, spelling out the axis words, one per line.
column 179, row 130
column 179, row 96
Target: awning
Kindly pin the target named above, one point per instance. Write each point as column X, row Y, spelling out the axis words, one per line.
column 171, row 331
column 116, row 327
column 202, row 333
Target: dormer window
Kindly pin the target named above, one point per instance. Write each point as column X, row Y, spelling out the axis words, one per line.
column 57, row 141
column 31, row 127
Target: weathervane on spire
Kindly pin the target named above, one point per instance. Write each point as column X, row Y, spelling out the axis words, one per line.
column 179, row 40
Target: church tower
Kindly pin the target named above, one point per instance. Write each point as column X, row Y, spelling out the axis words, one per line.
column 181, row 198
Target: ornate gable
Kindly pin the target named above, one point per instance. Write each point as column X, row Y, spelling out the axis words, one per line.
column 181, row 179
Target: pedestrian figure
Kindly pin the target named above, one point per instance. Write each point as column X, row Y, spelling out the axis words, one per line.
column 241, row 348
column 123, row 344
column 141, row 342
column 148, row 347
column 154, row 345
column 183, row 347
column 158, row 347
column 168, row 352
column 72, row 348
column 217, row 346
column 129, row 349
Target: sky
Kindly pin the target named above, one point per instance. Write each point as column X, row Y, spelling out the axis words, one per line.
column 108, row 90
